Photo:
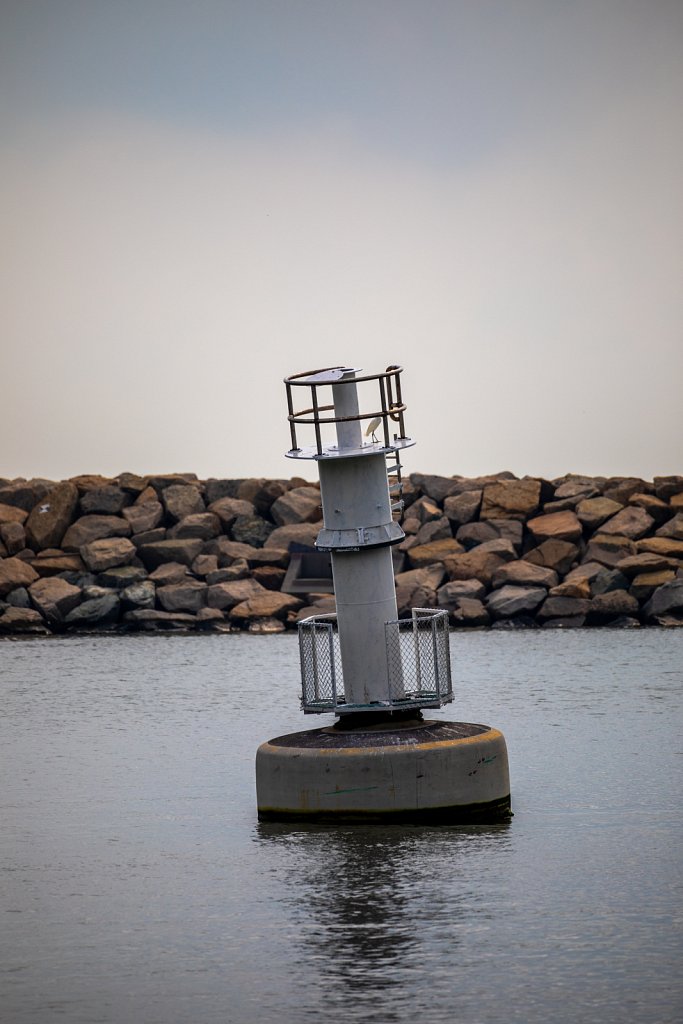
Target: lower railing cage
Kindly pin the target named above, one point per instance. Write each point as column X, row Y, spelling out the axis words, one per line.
column 418, row 664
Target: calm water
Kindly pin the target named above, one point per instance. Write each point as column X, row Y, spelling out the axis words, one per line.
column 137, row 885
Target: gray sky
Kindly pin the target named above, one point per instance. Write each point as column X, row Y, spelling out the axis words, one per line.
column 199, row 199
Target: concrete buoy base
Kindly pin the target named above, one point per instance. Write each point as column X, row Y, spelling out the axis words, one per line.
column 412, row 771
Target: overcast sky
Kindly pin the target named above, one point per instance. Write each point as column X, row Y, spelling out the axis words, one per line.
column 201, row 198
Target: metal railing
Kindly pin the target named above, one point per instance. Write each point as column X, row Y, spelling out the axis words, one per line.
column 418, row 660
column 391, row 402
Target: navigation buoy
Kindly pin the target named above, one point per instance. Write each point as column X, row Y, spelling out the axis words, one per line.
column 382, row 760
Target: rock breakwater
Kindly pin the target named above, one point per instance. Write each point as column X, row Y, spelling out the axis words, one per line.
column 172, row 552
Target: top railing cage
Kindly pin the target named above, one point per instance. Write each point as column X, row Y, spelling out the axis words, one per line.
column 418, row 664
column 391, row 403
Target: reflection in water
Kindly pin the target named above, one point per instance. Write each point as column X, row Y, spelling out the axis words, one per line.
column 370, row 909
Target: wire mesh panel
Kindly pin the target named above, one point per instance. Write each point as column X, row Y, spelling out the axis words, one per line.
column 418, row 654
column 321, row 676
column 418, row 663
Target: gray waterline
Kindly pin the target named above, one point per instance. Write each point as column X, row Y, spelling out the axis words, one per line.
column 138, row 884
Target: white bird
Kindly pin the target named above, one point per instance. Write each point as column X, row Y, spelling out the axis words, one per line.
column 372, row 427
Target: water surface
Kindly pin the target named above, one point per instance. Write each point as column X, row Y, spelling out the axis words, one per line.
column 139, row 886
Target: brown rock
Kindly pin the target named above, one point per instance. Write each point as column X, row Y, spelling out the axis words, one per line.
column 269, row 576
column 262, row 493
column 48, row 521
column 611, row 605
column 646, row 561
column 204, row 564
column 90, row 482
column 423, row 555
column 204, row 525
column 264, row 606
column 12, row 514
column 296, row 533
column 144, row 517
column 96, row 611
column 132, row 483
column 580, row 588
column 411, row 526
column 577, row 489
column 658, row 509
column 665, row 486
column 632, row 522
column 469, row 614
column 609, row 549
column 521, row 573
column 253, row 530
column 437, row 488
column 210, row 616
column 120, row 576
column 54, row 598
column 554, row 554
column 417, row 587
column 147, row 496
column 666, row 600
column 149, row 537
column 437, row 529
column 14, row 572
column 13, row 536
column 674, row 528
column 22, row 620
column 50, row 563
column 169, row 572
column 228, row 509
column 266, row 625
column 430, row 576
column 562, row 608
column 462, row 508
column 300, row 505
column 107, row 553
column 425, row 510
column 620, row 488
column 215, row 489
column 477, row 564
column 666, row 546
column 108, row 501
column 609, row 579
column 269, row 556
column 229, row 551
column 450, row 595
column 238, row 570
column 163, row 480
column 510, row 601
column 24, row 494
column 183, row 551
column 472, row 534
column 509, row 529
column 89, row 528
column 182, row 500
column 227, row 595
column 595, row 511
column 587, row 571
column 511, row 499
column 151, row 618
column 474, row 483
column 644, row 584
column 188, row 596
column 556, row 526
column 139, row 595
column 676, row 503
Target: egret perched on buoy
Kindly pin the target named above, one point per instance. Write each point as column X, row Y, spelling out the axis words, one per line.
column 372, row 427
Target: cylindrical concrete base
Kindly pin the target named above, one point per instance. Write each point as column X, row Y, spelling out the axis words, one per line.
column 440, row 772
